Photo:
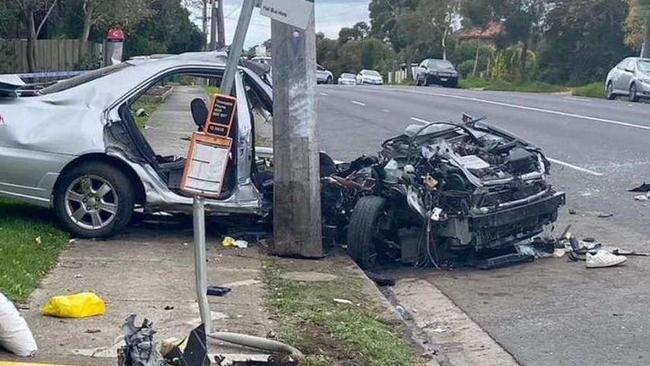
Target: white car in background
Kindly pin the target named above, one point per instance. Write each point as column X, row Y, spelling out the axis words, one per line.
column 369, row 77
column 347, row 79
column 324, row 76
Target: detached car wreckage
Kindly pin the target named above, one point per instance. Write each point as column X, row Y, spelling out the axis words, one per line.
column 442, row 192
column 433, row 193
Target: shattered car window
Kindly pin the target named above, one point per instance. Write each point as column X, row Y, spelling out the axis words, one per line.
column 84, row 78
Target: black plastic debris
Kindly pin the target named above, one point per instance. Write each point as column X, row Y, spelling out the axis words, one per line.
column 218, row 291
column 505, row 261
column 195, row 353
column 643, row 188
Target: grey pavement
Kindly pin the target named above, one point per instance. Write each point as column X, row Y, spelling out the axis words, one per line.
column 149, row 272
column 551, row 312
column 171, row 122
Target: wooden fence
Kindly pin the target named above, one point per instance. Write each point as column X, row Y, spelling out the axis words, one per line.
column 51, row 55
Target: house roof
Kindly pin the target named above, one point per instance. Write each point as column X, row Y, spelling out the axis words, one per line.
column 490, row 32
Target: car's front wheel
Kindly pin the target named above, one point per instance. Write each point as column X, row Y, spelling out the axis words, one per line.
column 610, row 91
column 634, row 95
column 370, row 231
column 94, row 200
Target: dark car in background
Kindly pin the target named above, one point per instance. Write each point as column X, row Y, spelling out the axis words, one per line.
column 440, row 72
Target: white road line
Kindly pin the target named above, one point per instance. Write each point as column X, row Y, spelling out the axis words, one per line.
column 385, row 110
column 359, row 103
column 549, row 111
column 559, row 162
column 420, row 120
column 324, row 94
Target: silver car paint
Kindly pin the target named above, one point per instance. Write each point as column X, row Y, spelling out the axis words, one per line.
column 624, row 74
column 42, row 135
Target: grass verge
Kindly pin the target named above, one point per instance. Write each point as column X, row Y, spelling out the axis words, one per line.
column 149, row 107
column 212, row 90
column 327, row 331
column 593, row 90
column 502, row 85
column 30, row 245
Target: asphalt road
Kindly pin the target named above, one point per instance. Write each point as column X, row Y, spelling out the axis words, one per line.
column 551, row 312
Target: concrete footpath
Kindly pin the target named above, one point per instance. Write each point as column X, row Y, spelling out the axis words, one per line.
column 150, row 272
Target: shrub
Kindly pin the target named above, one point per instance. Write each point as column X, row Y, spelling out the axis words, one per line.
column 593, row 90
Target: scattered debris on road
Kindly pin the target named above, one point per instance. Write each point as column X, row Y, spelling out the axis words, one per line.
column 643, row 188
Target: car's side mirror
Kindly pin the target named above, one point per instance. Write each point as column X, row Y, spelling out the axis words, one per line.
column 199, row 112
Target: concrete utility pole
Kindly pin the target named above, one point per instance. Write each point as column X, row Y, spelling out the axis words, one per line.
column 221, row 26
column 297, row 207
column 213, row 26
column 205, row 24
column 645, row 51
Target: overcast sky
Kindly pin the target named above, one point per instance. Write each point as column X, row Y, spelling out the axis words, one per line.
column 331, row 16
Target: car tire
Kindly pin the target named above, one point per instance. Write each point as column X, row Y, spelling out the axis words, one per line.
column 610, row 91
column 362, row 240
column 634, row 96
column 94, row 200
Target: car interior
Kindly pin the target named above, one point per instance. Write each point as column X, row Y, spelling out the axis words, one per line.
column 168, row 157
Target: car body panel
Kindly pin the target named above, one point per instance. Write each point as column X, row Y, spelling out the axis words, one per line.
column 323, row 75
column 628, row 73
column 347, row 79
column 434, row 71
column 369, row 77
column 41, row 135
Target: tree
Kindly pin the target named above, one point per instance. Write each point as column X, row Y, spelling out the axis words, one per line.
column 111, row 13
column 358, row 32
column 583, row 40
column 644, row 9
column 29, row 10
column 168, row 30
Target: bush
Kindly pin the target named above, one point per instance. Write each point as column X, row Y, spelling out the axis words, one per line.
column 593, row 90
column 465, row 68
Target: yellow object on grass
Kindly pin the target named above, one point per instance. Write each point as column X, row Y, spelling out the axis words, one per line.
column 229, row 242
column 82, row 305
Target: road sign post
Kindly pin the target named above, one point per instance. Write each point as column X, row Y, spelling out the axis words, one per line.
column 297, row 207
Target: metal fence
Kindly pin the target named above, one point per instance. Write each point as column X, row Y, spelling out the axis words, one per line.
column 51, row 55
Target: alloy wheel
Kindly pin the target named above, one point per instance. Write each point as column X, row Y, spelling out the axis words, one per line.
column 91, row 202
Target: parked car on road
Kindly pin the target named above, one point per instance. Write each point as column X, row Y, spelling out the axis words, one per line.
column 324, row 76
column 440, row 72
column 631, row 77
column 347, row 79
column 370, row 77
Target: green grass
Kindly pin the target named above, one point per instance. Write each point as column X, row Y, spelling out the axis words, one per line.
column 593, row 90
column 502, row 85
column 212, row 90
column 148, row 107
column 327, row 331
column 23, row 260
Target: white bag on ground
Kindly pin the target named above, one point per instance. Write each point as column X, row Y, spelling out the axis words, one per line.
column 15, row 335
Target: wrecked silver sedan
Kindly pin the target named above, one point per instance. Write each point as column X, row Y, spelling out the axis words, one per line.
column 444, row 193
column 76, row 145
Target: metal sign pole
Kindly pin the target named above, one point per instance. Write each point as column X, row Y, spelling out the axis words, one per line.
column 237, row 46
column 200, row 267
column 227, row 84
